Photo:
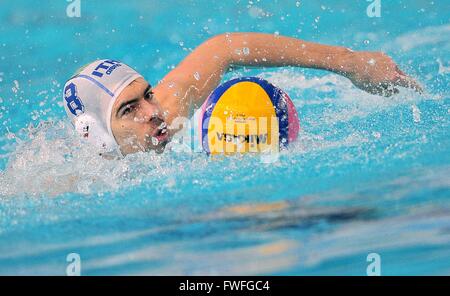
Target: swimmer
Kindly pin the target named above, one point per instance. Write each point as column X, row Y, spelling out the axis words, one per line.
column 116, row 109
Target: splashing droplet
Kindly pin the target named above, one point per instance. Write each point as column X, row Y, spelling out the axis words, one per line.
column 416, row 113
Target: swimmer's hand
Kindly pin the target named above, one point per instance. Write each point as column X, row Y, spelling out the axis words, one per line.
column 377, row 73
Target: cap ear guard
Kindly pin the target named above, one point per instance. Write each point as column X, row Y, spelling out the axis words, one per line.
column 88, row 128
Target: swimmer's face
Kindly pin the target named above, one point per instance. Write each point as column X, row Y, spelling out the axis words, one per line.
column 137, row 121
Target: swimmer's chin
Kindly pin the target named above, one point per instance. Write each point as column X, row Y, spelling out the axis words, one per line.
column 160, row 148
column 147, row 146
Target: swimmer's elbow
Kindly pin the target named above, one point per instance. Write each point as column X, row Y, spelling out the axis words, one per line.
column 219, row 46
column 225, row 45
column 226, row 40
column 218, row 39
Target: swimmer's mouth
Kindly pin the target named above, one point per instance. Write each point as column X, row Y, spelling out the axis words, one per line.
column 160, row 135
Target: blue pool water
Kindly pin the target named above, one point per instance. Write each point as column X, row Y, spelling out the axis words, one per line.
column 368, row 174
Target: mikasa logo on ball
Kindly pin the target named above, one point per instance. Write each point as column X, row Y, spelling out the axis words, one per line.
column 252, row 139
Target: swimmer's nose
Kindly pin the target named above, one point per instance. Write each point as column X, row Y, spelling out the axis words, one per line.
column 148, row 111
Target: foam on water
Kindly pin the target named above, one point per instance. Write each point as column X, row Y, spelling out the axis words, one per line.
column 50, row 159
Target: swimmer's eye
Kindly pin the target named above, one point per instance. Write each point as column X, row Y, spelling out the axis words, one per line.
column 128, row 109
column 149, row 95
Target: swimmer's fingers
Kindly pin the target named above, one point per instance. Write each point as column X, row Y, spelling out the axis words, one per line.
column 390, row 91
column 408, row 82
column 382, row 89
column 387, row 90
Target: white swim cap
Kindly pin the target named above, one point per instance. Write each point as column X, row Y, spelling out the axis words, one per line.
column 89, row 97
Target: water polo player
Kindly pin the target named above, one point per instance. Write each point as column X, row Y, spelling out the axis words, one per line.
column 116, row 109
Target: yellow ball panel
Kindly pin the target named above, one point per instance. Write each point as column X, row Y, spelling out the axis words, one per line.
column 243, row 120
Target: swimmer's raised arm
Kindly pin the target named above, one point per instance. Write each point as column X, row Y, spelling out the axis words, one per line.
column 200, row 72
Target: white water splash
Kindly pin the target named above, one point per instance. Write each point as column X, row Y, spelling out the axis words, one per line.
column 442, row 69
column 416, row 113
column 50, row 159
